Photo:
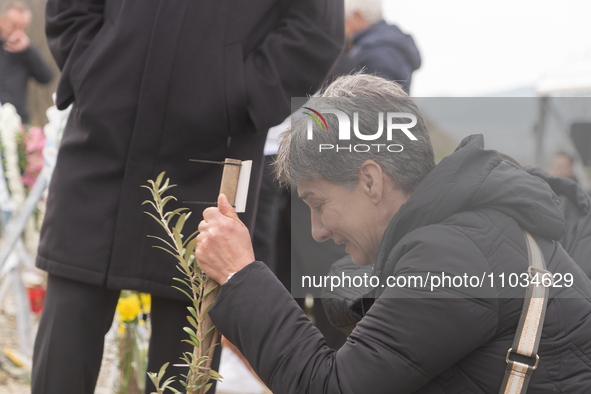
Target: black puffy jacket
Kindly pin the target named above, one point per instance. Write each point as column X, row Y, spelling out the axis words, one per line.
column 466, row 217
column 345, row 306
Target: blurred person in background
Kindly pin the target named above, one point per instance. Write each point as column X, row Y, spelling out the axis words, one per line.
column 562, row 166
column 576, row 206
column 19, row 60
column 382, row 49
column 155, row 84
column 574, row 203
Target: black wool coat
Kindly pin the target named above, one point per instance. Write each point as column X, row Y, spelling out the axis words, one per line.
column 155, row 83
column 465, row 218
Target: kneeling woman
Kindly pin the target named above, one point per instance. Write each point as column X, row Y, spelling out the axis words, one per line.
column 409, row 218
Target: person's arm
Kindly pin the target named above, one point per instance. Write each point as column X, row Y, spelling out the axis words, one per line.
column 293, row 60
column 37, row 67
column 398, row 347
column 401, row 344
column 70, row 26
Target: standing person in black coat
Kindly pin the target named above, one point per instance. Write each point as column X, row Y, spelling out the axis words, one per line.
column 414, row 222
column 19, row 60
column 576, row 206
column 155, row 83
column 381, row 49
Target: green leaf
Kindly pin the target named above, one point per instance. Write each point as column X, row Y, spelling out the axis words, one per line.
column 192, row 321
column 195, row 341
column 190, row 342
column 152, row 203
column 172, row 214
column 180, row 224
column 177, row 238
column 164, row 186
column 215, row 374
column 156, row 219
column 192, row 311
column 196, row 268
column 208, row 331
column 150, row 189
column 154, row 379
column 189, row 331
column 184, row 266
column 162, row 240
column 185, row 358
column 165, row 200
column 190, row 238
column 184, row 270
column 167, row 382
column 184, row 292
column 159, row 180
column 201, row 359
column 209, row 291
column 164, row 190
column 190, row 249
column 162, row 370
column 172, row 253
column 182, row 281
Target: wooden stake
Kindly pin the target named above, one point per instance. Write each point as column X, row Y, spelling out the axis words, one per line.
column 228, row 187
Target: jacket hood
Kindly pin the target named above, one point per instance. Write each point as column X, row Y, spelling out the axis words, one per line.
column 472, row 178
column 383, row 34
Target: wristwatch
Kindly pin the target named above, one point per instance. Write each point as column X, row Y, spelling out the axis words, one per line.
column 229, row 276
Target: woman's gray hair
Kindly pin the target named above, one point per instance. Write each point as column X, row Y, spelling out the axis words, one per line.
column 371, row 9
column 300, row 159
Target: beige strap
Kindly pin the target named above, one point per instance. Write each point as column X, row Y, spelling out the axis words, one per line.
column 529, row 330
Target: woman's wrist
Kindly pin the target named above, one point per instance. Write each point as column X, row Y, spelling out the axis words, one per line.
column 230, row 276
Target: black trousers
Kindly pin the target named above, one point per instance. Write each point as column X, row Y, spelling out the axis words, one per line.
column 69, row 344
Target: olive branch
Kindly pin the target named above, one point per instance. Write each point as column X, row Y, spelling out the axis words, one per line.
column 196, row 380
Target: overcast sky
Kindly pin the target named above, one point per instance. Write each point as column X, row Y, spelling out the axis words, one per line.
column 472, row 47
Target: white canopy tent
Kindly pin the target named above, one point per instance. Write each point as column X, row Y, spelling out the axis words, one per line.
column 573, row 80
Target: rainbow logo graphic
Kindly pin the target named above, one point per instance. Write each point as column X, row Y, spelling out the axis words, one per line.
column 316, row 118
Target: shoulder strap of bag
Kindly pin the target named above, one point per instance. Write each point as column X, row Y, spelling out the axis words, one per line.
column 529, row 330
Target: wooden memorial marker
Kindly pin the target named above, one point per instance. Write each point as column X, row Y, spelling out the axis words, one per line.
column 235, row 180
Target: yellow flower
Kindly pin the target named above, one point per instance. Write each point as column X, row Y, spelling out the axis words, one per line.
column 129, row 307
column 146, row 300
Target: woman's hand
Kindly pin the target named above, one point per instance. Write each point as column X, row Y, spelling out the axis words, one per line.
column 223, row 243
